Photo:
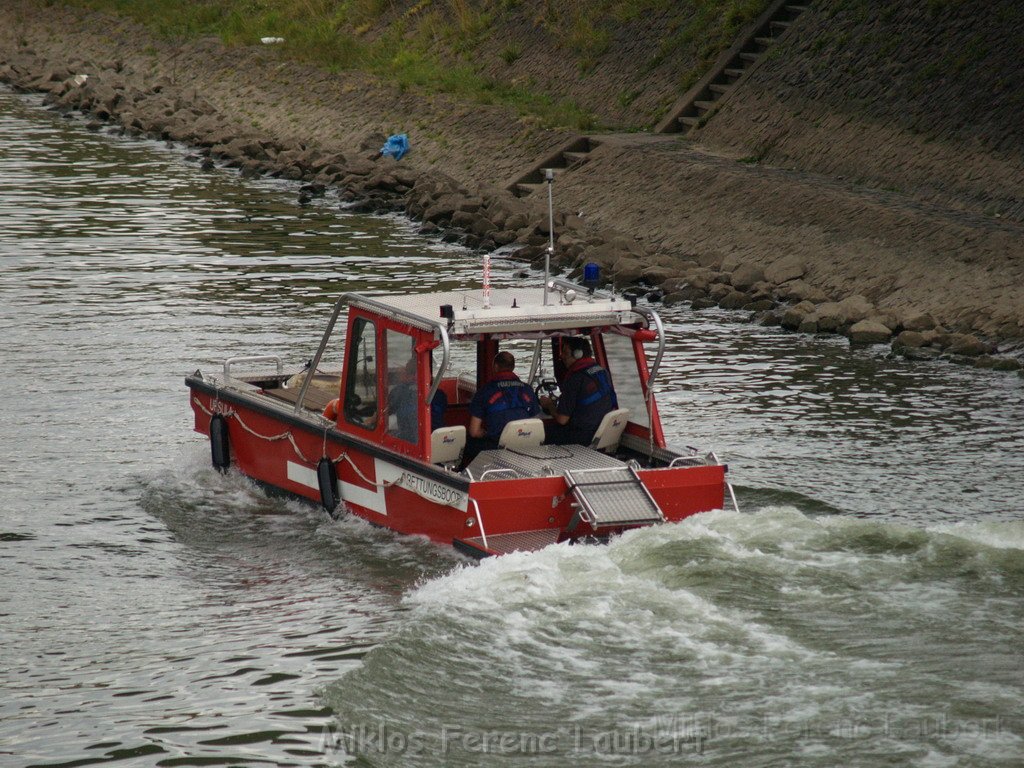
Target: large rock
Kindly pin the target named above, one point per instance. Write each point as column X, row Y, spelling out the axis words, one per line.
column 886, row 318
column 482, row 226
column 795, row 315
column 855, row 308
column 967, row 344
column 784, row 270
column 918, row 321
column 910, row 340
column 711, row 260
column 686, row 293
column 463, row 219
column 718, row 291
column 674, row 284
column 734, row 300
column 656, row 275
column 828, row 316
column 745, row 276
column 701, row 277
column 730, row 262
column 798, row 290
column 627, row 269
column 869, row 332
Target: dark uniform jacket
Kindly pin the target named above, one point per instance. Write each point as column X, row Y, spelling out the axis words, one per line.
column 503, row 399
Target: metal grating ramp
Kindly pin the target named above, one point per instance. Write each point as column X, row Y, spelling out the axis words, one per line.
column 523, row 541
column 612, row 497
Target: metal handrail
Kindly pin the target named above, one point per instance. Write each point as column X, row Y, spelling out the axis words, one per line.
column 320, row 350
column 694, row 460
column 728, row 485
column 498, row 471
column 582, row 290
column 652, row 316
column 649, row 314
column 732, row 493
column 480, row 522
column 443, row 367
column 253, row 359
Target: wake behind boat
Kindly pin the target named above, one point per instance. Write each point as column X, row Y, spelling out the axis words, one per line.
column 392, row 449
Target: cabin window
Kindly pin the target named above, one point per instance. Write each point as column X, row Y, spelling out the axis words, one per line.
column 403, row 397
column 361, row 375
column 622, row 365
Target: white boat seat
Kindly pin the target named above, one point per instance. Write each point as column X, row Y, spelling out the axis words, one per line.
column 522, row 434
column 447, row 445
column 609, row 431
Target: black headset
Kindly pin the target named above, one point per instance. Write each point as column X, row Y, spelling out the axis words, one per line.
column 576, row 346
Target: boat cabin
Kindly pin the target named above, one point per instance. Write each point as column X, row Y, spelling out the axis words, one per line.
column 413, row 362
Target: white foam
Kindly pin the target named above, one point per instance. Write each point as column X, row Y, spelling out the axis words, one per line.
column 998, row 535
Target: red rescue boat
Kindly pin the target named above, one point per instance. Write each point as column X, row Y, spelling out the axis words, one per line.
column 381, row 457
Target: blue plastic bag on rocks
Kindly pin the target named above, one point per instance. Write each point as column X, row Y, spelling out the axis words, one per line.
column 396, row 146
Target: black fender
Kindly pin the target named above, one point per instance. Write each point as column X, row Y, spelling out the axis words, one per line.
column 327, row 479
column 220, row 446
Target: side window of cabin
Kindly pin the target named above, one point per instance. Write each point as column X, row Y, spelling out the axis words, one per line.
column 361, row 375
column 403, row 400
column 625, row 378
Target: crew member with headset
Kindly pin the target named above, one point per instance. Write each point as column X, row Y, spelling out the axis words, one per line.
column 503, row 399
column 587, row 395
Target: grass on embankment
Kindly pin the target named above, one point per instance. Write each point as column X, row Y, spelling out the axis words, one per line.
column 435, row 45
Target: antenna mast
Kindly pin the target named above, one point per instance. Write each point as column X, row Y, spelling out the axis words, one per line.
column 549, row 178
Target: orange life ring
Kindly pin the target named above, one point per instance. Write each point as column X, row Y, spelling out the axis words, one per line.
column 331, row 411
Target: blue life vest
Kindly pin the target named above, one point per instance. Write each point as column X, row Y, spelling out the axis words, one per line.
column 602, row 386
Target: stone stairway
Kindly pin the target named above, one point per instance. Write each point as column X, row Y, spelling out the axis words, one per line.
column 696, row 106
column 732, row 67
column 571, row 155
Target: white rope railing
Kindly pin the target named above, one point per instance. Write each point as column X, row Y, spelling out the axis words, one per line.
column 343, row 456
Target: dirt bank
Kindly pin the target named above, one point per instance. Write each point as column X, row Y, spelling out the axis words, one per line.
column 786, row 242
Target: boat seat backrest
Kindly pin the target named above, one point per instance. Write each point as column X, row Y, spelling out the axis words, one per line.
column 609, row 431
column 447, row 445
column 522, row 434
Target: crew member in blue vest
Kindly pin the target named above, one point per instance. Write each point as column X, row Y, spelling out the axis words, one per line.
column 503, row 399
column 587, row 395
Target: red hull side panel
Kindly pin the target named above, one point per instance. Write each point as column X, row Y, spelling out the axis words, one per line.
column 285, row 456
column 685, row 491
column 508, row 506
column 267, row 450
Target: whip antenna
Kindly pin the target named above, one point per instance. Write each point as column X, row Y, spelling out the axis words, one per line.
column 549, row 178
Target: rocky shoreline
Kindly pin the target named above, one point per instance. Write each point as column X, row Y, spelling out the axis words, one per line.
column 119, row 94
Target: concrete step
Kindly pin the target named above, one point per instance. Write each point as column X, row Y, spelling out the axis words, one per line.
column 689, row 121
column 734, row 73
column 778, row 26
column 522, row 189
column 571, row 158
column 750, row 56
column 764, row 42
column 570, row 155
column 718, row 89
column 704, row 106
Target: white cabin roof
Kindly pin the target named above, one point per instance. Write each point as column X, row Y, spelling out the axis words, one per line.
column 511, row 310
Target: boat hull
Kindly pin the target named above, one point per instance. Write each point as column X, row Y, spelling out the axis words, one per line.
column 282, row 449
